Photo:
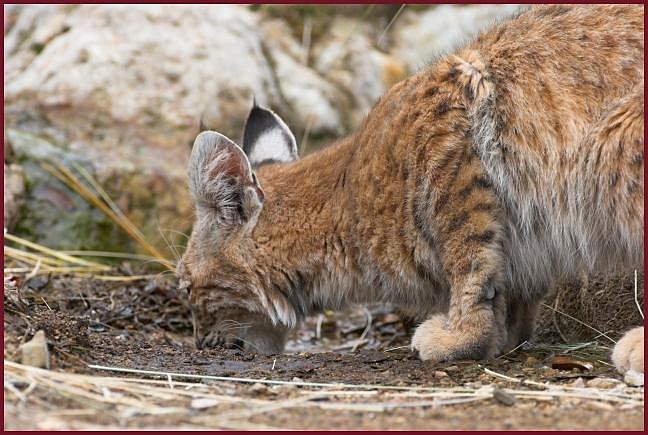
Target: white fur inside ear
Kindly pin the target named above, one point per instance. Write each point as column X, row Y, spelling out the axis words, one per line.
column 271, row 145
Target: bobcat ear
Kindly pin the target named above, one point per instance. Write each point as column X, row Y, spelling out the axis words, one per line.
column 267, row 139
column 221, row 179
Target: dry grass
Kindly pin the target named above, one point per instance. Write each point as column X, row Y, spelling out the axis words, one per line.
column 100, row 199
column 35, row 259
column 172, row 395
column 42, row 260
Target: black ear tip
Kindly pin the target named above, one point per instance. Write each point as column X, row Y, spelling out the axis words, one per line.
column 260, row 116
column 260, row 110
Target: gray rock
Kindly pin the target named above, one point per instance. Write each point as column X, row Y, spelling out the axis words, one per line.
column 313, row 101
column 121, row 91
column 420, row 37
column 14, row 189
column 347, row 56
column 634, row 379
column 35, row 353
column 503, row 397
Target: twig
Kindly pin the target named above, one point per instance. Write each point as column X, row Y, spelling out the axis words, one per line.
column 34, row 272
column 46, row 304
column 391, row 22
column 507, row 378
column 554, row 319
column 30, row 257
column 318, row 326
column 397, row 347
column 636, row 294
column 513, row 350
column 263, row 381
column 310, row 120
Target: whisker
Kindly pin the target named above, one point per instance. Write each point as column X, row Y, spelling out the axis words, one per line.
column 185, row 235
column 252, row 345
column 166, row 241
column 164, row 272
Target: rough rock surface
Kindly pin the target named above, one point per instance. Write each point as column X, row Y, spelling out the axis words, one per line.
column 420, row 37
column 14, row 187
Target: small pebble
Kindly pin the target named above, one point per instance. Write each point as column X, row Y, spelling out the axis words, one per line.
column 451, row 369
column 258, row 388
column 296, row 379
column 634, row 379
column 202, row 403
column 503, row 397
column 578, row 383
column 599, row 405
column 283, row 389
column 35, row 353
column 549, row 372
column 603, row 383
column 440, row 374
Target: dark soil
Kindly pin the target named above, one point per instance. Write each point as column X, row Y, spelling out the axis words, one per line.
column 144, row 325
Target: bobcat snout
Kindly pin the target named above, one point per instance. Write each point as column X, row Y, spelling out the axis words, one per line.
column 236, row 328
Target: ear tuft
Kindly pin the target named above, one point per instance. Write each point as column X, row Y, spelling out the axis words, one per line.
column 267, row 139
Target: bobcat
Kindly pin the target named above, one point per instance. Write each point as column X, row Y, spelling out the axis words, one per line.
column 466, row 193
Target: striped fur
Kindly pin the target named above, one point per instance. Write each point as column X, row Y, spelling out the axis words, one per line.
column 468, row 191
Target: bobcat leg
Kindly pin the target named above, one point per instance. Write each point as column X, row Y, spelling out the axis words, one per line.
column 474, row 328
column 465, row 220
column 520, row 322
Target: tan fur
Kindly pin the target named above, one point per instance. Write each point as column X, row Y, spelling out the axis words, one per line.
column 628, row 353
column 469, row 190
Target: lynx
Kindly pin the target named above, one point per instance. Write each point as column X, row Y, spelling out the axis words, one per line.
column 467, row 192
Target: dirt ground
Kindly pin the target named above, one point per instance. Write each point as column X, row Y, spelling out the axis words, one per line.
column 372, row 380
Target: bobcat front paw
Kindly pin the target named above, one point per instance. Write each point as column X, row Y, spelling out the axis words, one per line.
column 628, row 353
column 435, row 340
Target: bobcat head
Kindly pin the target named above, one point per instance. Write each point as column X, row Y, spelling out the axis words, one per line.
column 229, row 303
